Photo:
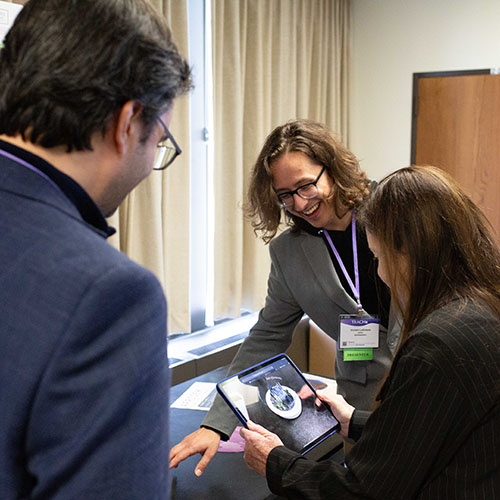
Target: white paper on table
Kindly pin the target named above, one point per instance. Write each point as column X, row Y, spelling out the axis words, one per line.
column 8, row 12
column 199, row 396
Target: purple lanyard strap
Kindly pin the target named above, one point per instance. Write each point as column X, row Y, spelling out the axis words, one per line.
column 28, row 165
column 355, row 288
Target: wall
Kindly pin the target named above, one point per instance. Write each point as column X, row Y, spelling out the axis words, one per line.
column 392, row 39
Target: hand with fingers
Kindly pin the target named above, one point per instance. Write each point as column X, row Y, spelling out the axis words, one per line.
column 203, row 441
column 258, row 444
column 340, row 408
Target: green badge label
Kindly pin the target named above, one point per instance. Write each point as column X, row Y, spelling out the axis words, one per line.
column 358, row 354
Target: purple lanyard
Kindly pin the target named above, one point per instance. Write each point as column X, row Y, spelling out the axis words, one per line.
column 28, row 165
column 355, row 289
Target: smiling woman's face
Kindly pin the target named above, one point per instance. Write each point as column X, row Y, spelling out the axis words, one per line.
column 293, row 170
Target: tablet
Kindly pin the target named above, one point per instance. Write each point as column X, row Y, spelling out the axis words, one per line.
column 276, row 395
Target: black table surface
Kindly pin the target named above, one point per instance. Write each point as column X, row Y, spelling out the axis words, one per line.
column 226, row 476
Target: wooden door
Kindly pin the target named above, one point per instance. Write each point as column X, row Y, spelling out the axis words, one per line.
column 456, row 126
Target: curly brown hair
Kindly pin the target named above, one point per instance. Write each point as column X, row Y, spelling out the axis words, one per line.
column 317, row 142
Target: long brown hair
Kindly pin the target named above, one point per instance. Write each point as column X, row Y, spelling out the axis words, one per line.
column 421, row 213
column 317, row 142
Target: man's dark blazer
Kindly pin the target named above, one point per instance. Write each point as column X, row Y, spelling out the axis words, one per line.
column 83, row 360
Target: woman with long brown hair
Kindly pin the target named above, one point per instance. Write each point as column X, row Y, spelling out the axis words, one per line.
column 435, row 432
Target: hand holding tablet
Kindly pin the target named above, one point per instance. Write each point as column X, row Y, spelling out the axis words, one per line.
column 277, row 396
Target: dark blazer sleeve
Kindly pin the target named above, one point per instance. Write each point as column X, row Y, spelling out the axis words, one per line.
column 357, row 423
column 99, row 423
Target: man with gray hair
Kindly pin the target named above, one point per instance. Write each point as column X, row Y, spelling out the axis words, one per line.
column 86, row 97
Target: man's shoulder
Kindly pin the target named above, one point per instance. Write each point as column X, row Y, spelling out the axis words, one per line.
column 63, row 253
column 92, row 257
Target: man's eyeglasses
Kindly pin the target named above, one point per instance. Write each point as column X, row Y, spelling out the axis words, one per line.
column 168, row 150
column 306, row 192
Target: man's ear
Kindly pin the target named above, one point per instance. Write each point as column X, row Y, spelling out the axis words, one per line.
column 128, row 125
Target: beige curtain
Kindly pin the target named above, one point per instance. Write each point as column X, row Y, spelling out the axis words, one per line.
column 153, row 221
column 274, row 60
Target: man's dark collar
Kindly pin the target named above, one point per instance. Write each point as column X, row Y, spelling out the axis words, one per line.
column 74, row 192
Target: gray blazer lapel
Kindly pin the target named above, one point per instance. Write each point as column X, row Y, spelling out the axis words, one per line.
column 319, row 259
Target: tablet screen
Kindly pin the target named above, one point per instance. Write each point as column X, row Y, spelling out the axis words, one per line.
column 277, row 396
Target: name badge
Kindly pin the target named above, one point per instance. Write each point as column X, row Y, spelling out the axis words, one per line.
column 358, row 333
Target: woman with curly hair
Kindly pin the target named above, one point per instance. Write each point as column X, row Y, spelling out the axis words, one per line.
column 321, row 266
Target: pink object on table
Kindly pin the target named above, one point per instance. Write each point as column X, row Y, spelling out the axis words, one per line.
column 235, row 444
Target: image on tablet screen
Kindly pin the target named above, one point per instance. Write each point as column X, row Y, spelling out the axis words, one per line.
column 276, row 396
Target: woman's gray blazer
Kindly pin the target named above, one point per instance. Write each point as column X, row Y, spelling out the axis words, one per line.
column 302, row 281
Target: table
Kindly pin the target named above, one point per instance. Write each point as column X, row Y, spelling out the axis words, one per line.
column 227, row 476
